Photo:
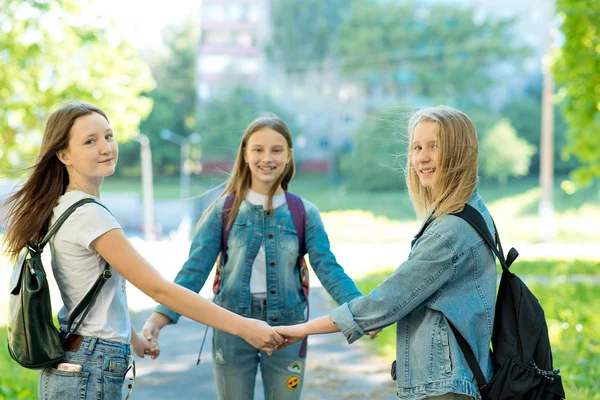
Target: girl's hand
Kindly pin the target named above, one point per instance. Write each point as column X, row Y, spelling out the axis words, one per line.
column 153, row 325
column 292, row 334
column 260, row 335
column 373, row 334
column 142, row 346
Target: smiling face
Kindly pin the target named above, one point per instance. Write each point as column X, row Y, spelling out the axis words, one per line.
column 424, row 151
column 267, row 154
column 92, row 152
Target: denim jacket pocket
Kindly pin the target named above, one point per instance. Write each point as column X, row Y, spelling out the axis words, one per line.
column 288, row 240
column 239, row 234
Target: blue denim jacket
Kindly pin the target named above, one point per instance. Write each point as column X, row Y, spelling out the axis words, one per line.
column 450, row 274
column 285, row 299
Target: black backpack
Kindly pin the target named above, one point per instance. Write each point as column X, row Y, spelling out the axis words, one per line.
column 522, row 357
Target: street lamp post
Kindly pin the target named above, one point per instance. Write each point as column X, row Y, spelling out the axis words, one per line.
column 147, row 185
column 184, row 173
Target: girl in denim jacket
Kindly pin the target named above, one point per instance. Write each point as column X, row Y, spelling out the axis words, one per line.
column 260, row 278
column 450, row 274
column 78, row 151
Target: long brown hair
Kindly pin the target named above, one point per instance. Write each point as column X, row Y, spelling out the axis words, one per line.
column 455, row 178
column 240, row 180
column 30, row 206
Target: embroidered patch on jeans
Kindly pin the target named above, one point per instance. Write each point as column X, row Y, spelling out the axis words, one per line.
column 293, row 382
column 295, row 367
column 219, row 356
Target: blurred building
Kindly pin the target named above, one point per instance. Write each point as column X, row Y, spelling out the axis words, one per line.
column 329, row 107
column 230, row 53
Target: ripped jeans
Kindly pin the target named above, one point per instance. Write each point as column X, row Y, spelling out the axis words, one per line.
column 236, row 362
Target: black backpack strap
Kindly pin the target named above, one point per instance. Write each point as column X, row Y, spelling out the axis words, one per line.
column 469, row 356
column 86, row 304
column 474, row 218
column 89, row 299
column 63, row 217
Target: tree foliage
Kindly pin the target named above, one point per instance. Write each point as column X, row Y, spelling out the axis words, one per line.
column 304, row 32
column 504, row 153
column 576, row 70
column 223, row 121
column 525, row 114
column 433, row 52
column 52, row 53
column 174, row 98
column 378, row 161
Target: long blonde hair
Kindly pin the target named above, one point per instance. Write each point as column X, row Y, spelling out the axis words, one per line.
column 455, row 178
column 241, row 178
column 29, row 208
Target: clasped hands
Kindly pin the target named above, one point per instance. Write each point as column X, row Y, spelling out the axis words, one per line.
column 257, row 333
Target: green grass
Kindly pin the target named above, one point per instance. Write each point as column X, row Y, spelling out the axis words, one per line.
column 389, row 216
column 16, row 382
column 571, row 314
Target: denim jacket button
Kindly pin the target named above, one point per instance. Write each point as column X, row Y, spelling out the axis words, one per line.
column 273, row 291
column 272, row 263
column 270, row 236
column 274, row 319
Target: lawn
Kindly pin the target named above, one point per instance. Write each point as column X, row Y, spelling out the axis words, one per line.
column 15, row 382
column 571, row 314
column 389, row 217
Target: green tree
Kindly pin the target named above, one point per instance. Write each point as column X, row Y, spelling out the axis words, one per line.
column 504, row 153
column 525, row 114
column 223, row 121
column 429, row 53
column 174, row 100
column 438, row 52
column 304, row 32
column 52, row 52
column 576, row 70
column 378, row 161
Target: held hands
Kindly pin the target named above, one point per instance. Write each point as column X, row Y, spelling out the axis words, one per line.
column 260, row 335
column 150, row 332
column 142, row 346
column 292, row 334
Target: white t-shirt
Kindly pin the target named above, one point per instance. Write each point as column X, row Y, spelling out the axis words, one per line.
column 258, row 278
column 76, row 267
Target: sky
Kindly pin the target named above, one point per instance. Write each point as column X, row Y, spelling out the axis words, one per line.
column 141, row 21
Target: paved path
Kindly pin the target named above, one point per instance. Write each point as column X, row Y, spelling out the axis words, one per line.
column 335, row 370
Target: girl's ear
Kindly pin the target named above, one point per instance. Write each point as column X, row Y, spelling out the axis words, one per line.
column 63, row 157
column 290, row 155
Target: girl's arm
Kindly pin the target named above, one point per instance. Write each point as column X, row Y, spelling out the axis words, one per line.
column 114, row 247
column 331, row 274
column 296, row 333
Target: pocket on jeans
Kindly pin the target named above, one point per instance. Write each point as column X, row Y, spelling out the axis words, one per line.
column 67, row 385
column 113, row 377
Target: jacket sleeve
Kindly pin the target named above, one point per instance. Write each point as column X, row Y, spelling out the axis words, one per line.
column 331, row 274
column 206, row 246
column 430, row 265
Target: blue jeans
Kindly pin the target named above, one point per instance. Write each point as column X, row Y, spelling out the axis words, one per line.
column 236, row 362
column 104, row 364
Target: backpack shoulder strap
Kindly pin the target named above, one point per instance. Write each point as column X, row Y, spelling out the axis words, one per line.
column 225, row 218
column 63, row 217
column 89, row 299
column 474, row 218
column 298, row 212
